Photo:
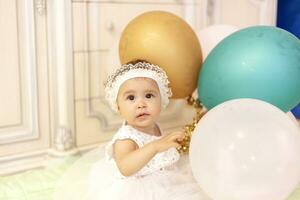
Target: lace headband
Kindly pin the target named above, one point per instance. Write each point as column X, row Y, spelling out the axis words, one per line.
column 140, row 69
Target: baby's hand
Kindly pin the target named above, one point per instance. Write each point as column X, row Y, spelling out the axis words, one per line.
column 168, row 141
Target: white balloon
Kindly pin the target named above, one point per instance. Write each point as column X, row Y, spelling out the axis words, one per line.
column 246, row 149
column 293, row 118
column 210, row 36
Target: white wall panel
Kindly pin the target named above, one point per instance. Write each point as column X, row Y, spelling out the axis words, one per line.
column 24, row 96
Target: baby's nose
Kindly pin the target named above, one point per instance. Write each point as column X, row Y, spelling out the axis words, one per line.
column 142, row 104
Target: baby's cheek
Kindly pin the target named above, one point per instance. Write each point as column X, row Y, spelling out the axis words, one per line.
column 157, row 109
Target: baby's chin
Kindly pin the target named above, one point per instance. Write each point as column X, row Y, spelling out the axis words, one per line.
column 143, row 123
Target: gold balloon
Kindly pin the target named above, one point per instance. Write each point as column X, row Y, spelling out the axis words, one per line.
column 166, row 40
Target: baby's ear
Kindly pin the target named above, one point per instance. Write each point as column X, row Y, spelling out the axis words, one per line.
column 118, row 109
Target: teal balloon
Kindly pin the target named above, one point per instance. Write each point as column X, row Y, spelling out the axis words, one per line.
column 260, row 62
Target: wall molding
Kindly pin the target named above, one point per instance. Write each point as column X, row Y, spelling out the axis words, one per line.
column 21, row 162
column 211, row 11
column 40, row 6
column 17, row 163
column 61, row 75
column 268, row 10
column 28, row 128
column 13, row 164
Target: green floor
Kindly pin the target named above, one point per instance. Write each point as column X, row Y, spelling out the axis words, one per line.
column 39, row 184
column 36, row 184
column 295, row 195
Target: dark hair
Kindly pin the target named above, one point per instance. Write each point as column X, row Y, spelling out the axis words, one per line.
column 137, row 61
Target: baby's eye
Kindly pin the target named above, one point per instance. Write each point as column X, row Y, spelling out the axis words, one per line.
column 149, row 95
column 130, row 97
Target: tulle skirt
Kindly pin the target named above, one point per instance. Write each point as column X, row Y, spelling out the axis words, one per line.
column 93, row 178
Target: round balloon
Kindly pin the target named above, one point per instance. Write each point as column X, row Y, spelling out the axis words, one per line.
column 246, row 149
column 293, row 118
column 166, row 40
column 261, row 62
column 210, row 36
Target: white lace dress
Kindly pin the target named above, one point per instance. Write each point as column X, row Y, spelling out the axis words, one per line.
column 165, row 177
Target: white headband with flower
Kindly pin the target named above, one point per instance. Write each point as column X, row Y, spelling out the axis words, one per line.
column 140, row 69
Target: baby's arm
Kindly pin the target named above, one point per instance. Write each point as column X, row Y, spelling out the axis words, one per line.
column 130, row 158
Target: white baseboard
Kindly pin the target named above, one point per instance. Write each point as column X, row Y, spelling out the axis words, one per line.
column 39, row 159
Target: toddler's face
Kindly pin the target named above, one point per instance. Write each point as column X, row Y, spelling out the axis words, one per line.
column 139, row 102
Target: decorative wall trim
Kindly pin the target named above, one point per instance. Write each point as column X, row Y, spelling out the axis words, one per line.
column 189, row 12
column 61, row 75
column 106, row 123
column 207, row 12
column 40, row 6
column 64, row 140
column 39, row 159
column 28, row 129
column 267, row 10
column 210, row 11
column 21, row 162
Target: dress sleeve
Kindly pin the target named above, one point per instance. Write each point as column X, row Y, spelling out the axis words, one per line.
column 121, row 135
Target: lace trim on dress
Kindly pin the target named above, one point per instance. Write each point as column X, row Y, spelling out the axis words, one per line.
column 159, row 162
column 122, row 135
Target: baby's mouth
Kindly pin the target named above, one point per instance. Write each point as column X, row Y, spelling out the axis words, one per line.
column 142, row 115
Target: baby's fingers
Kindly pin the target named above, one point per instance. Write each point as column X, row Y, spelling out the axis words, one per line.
column 173, row 138
column 180, row 139
column 178, row 136
column 175, row 144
